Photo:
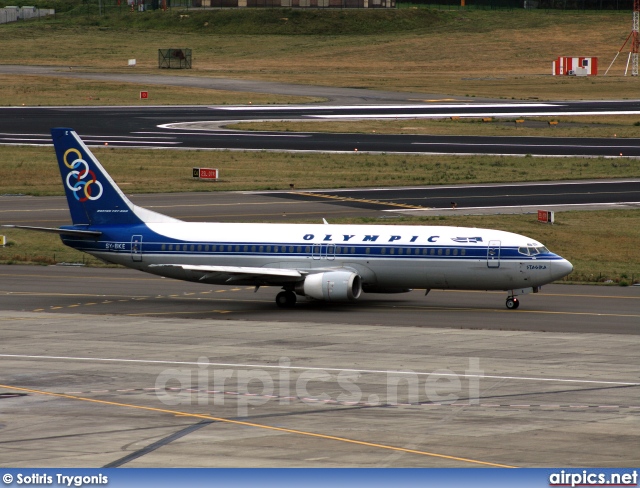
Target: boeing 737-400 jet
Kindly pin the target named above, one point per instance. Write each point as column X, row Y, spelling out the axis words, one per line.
column 326, row 262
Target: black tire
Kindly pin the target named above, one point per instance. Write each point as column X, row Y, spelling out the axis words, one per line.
column 291, row 299
column 286, row 299
column 281, row 299
column 512, row 303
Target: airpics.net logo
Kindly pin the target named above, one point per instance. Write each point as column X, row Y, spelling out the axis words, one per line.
column 588, row 478
column 252, row 386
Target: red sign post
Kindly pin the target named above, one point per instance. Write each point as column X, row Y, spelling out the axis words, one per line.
column 210, row 174
column 144, row 94
column 545, row 216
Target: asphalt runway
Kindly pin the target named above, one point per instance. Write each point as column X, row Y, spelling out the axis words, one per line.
column 201, row 127
column 296, row 205
column 198, row 127
column 194, row 207
column 558, row 308
column 481, row 196
column 109, row 367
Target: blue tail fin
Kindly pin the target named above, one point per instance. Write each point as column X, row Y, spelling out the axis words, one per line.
column 93, row 197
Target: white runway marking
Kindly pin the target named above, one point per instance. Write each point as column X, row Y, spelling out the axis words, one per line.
column 25, row 135
column 497, row 207
column 18, row 138
column 19, row 141
column 315, row 368
column 115, row 141
column 501, row 144
column 241, row 108
column 48, row 136
column 474, row 115
column 441, row 187
column 217, row 132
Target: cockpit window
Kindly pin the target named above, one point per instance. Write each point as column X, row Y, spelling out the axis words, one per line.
column 532, row 250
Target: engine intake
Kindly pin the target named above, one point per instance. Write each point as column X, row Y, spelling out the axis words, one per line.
column 332, row 286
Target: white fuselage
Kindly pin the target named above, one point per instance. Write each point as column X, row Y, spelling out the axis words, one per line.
column 387, row 257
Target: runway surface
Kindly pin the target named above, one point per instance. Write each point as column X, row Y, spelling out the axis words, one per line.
column 198, row 127
column 275, row 206
column 558, row 308
column 118, row 369
column 480, row 196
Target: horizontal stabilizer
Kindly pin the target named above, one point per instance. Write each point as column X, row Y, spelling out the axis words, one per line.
column 55, row 230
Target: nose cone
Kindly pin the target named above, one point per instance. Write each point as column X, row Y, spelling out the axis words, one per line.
column 560, row 269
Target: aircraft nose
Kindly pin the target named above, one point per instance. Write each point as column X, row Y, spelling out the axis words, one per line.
column 560, row 269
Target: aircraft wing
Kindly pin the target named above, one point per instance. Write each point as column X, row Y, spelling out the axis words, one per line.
column 240, row 273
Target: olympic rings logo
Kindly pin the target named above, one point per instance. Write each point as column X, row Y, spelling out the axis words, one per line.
column 80, row 186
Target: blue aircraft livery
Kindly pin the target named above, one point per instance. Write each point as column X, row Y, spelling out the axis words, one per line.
column 313, row 261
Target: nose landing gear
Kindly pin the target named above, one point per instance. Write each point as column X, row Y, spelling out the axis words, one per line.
column 512, row 303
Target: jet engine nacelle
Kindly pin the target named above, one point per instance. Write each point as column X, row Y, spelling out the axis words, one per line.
column 332, row 286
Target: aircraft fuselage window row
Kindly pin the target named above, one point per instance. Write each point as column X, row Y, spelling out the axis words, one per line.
column 326, row 249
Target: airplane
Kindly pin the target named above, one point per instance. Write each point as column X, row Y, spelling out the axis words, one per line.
column 332, row 263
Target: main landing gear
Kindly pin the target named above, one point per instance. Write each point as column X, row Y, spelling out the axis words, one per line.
column 286, row 299
column 512, row 303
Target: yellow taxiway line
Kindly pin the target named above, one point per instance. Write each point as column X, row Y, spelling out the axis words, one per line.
column 349, row 199
column 260, row 426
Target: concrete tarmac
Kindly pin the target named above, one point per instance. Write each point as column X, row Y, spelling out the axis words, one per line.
column 112, row 390
column 193, row 207
column 112, row 367
column 295, row 205
column 557, row 308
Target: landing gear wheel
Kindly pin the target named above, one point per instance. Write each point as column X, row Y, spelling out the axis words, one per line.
column 286, row 299
column 513, row 303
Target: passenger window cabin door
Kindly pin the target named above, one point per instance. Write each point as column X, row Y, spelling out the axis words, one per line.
column 323, row 251
column 493, row 254
column 136, row 248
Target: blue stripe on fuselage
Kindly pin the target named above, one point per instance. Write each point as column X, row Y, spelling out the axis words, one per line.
column 117, row 240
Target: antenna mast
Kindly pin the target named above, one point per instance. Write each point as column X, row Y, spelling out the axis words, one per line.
column 635, row 43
